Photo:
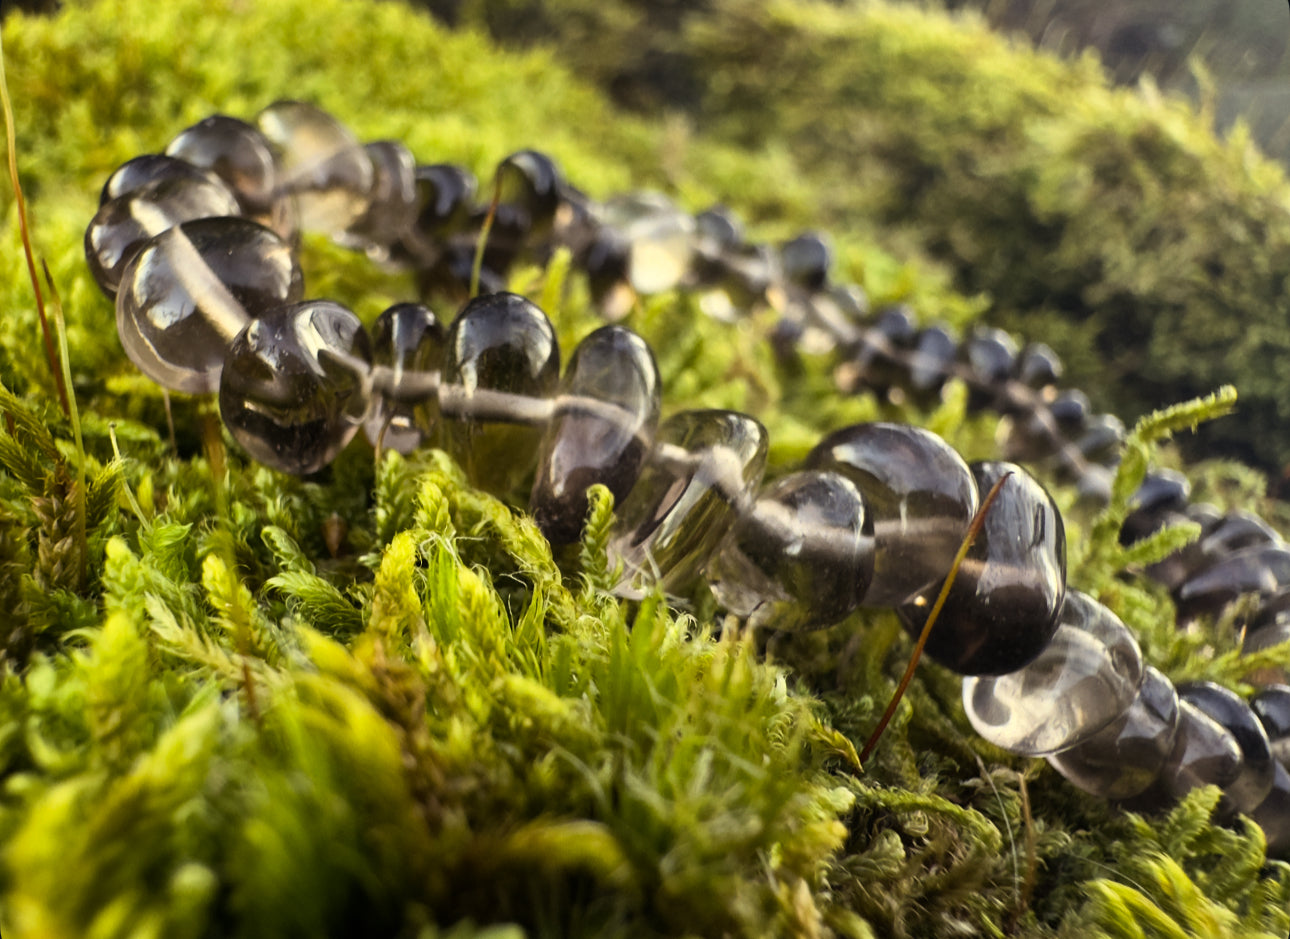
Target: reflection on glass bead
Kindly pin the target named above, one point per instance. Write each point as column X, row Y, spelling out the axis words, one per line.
column 393, row 207
column 1124, row 758
column 920, row 494
column 1204, row 754
column 699, row 476
column 192, row 288
column 122, row 225
column 499, row 342
column 530, row 188
column 604, row 423
column 1002, row 608
column 320, row 165
column 239, row 154
column 150, row 168
column 293, row 387
column 1231, row 713
column 801, row 557
column 407, row 338
column 1085, row 678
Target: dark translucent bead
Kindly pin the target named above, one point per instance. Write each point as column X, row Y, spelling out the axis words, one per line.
column 881, row 359
column 393, row 206
column 1273, row 813
column 239, row 154
column 1071, row 410
column 801, row 557
column 1204, row 754
column 921, row 496
column 1039, row 366
column 499, row 342
column 1101, row 439
column 991, row 355
column 1003, row 606
column 1271, row 705
column 407, row 338
column 604, row 424
column 445, row 198
column 530, row 184
column 1084, row 679
column 1230, row 711
column 805, row 261
column 293, row 387
column 932, row 362
column 150, row 168
column 1124, row 758
column 1262, row 570
column 657, row 237
column 192, row 288
column 1221, row 536
column 320, row 165
column 717, row 231
column 1162, row 492
column 700, row 475
column 122, row 225
column 605, row 261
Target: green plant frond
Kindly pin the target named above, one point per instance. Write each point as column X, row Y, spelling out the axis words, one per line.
column 27, row 466
column 286, row 552
column 318, row 602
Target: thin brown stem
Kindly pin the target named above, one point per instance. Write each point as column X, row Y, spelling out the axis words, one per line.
column 974, row 529
column 484, row 231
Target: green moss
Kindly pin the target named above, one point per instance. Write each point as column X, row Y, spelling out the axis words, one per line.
column 375, row 702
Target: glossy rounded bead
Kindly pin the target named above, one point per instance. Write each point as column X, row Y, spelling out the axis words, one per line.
column 236, row 152
column 932, row 361
column 123, row 225
column 801, row 557
column 1161, row 492
column 1229, row 710
column 138, row 172
column 1003, row 607
column 530, row 185
column 1101, row 438
column 293, row 386
column 392, row 210
column 805, row 260
column 882, row 354
column 1124, row 758
column 700, row 475
column 921, row 496
column 1271, row 705
column 1262, row 570
column 321, row 166
column 991, row 356
column 192, row 288
column 1039, row 366
column 1204, row 754
column 500, row 349
column 604, row 423
column 407, row 338
column 1084, row 679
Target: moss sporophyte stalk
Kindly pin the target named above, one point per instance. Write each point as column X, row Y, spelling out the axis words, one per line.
column 376, row 700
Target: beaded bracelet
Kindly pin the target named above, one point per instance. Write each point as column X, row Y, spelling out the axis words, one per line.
column 198, row 248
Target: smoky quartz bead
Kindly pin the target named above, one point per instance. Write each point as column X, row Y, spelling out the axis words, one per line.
column 700, row 475
column 1084, row 679
column 1204, row 754
column 1272, row 707
column 1124, row 758
column 1003, row 606
column 122, row 225
column 1261, row 569
column 800, row 557
column 139, row 171
column 407, row 339
column 192, row 288
column 240, row 155
column 920, row 494
column 393, row 206
column 604, row 423
column 657, row 239
column 500, row 356
column 1229, row 711
column 321, row 166
column 293, row 389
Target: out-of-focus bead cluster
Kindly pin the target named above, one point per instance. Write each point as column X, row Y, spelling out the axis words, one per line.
column 197, row 246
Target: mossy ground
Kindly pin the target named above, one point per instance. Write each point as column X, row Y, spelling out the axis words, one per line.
column 374, row 702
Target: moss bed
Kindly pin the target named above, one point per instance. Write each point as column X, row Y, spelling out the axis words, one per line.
column 373, row 702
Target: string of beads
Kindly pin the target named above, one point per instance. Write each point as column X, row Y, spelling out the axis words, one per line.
column 198, row 248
